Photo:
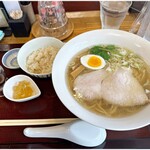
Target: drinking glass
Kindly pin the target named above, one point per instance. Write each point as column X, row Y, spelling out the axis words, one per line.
column 52, row 17
column 141, row 25
column 113, row 13
column 2, row 80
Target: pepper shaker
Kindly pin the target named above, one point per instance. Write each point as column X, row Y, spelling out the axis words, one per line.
column 27, row 8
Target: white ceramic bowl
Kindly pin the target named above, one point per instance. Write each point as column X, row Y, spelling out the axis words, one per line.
column 33, row 45
column 9, row 59
column 88, row 39
column 8, row 88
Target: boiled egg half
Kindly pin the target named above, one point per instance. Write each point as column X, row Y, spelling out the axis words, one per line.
column 93, row 62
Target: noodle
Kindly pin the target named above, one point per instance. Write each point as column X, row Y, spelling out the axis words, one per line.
column 140, row 70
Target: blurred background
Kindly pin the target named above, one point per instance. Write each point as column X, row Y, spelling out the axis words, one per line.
column 86, row 5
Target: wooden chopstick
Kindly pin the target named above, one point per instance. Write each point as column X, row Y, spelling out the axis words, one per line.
column 25, row 122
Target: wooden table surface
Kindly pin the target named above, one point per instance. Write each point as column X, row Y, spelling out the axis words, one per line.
column 83, row 21
column 43, row 107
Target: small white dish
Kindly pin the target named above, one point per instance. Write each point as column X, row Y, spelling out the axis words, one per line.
column 8, row 88
column 9, row 59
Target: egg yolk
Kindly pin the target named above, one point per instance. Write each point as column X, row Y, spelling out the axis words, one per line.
column 94, row 61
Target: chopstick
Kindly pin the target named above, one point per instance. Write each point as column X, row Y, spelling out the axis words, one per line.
column 25, row 122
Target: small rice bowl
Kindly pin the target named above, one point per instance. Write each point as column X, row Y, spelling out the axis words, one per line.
column 29, row 59
column 40, row 61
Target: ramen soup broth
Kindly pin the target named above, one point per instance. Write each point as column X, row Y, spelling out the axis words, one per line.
column 117, row 57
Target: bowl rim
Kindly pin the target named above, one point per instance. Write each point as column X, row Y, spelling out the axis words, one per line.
column 63, row 93
column 7, row 53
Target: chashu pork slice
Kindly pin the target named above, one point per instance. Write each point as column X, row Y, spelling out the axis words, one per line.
column 88, row 85
column 122, row 88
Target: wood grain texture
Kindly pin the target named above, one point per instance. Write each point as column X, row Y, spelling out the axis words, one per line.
column 41, row 112
column 83, row 21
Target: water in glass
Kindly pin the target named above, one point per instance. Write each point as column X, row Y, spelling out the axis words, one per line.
column 113, row 13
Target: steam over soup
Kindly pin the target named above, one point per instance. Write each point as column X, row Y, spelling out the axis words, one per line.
column 115, row 84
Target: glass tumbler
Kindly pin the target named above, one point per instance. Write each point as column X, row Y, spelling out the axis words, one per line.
column 112, row 13
column 141, row 25
column 52, row 17
column 2, row 80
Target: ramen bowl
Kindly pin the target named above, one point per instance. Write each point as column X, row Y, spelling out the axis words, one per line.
column 81, row 42
column 33, row 46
